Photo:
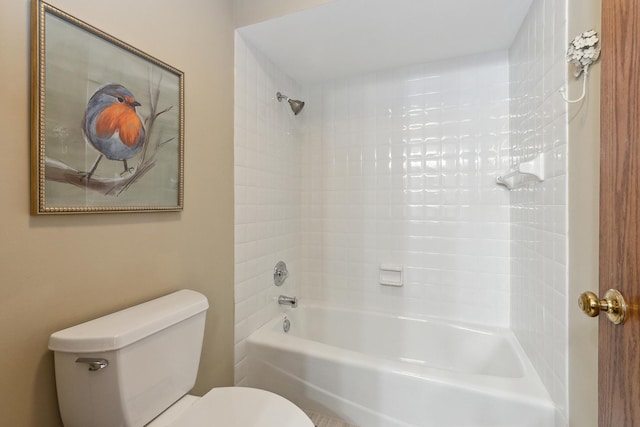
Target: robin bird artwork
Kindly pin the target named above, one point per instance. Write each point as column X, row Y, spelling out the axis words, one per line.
column 112, row 125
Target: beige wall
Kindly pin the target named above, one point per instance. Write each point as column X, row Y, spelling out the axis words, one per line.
column 56, row 271
column 249, row 12
column 584, row 176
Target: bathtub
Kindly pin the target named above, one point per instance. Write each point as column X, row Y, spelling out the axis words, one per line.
column 378, row 370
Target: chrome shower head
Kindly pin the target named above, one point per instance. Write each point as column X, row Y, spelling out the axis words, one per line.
column 296, row 106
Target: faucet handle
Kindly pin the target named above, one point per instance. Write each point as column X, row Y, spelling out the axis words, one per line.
column 280, row 273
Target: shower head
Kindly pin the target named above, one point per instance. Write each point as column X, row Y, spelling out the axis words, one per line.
column 296, row 106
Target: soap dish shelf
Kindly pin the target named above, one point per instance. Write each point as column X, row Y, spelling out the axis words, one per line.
column 523, row 173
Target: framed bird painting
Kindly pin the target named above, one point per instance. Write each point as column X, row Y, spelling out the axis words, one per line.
column 107, row 122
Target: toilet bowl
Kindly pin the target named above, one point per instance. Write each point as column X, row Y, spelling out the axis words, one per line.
column 135, row 367
column 235, row 407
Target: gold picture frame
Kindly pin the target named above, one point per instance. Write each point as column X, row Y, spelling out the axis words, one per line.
column 107, row 122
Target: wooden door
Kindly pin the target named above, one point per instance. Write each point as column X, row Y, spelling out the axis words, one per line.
column 619, row 345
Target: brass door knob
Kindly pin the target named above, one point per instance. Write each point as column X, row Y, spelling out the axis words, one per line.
column 613, row 304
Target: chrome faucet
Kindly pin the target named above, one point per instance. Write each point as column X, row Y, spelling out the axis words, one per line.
column 285, row 300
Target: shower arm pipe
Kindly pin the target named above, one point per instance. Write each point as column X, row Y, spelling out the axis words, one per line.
column 563, row 90
column 280, row 97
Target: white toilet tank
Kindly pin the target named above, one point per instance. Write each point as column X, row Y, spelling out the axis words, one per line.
column 125, row 368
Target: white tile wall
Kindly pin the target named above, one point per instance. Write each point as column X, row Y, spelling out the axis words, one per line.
column 399, row 168
column 393, row 167
column 267, row 193
column 539, row 213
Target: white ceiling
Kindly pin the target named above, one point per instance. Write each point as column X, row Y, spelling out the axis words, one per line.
column 348, row 37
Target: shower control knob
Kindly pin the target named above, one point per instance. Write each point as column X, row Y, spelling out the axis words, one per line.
column 613, row 304
column 280, row 273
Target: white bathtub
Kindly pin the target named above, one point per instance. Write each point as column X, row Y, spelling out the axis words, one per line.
column 377, row 370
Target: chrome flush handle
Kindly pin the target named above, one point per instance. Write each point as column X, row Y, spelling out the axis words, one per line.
column 94, row 364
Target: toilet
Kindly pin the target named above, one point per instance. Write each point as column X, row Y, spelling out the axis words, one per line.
column 135, row 367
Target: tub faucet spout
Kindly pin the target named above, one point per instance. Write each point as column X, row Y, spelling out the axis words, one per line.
column 285, row 300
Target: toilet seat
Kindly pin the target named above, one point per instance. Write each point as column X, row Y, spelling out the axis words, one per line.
column 242, row 407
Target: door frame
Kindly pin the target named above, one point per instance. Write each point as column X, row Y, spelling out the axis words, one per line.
column 583, row 224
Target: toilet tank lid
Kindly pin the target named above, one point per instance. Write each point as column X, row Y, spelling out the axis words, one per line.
column 120, row 329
